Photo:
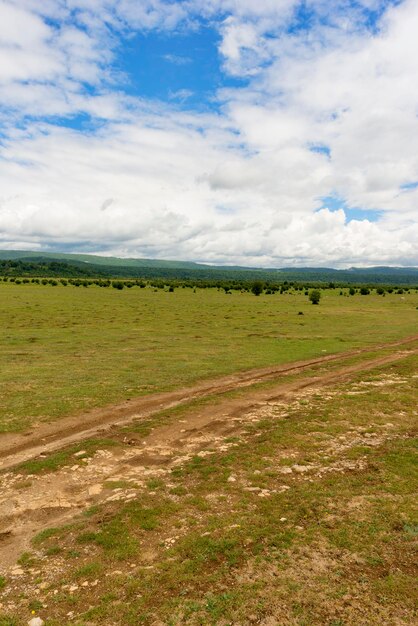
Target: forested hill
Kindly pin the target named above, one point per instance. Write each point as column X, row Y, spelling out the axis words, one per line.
column 24, row 263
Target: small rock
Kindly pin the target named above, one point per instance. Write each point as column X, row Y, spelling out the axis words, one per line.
column 36, row 621
column 283, row 519
column 80, row 453
column 232, row 479
column 301, row 469
column 94, row 490
column 264, row 493
column 17, row 571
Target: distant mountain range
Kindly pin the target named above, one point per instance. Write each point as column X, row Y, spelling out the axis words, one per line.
column 60, row 263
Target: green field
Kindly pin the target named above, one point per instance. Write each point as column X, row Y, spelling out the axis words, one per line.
column 332, row 545
column 63, row 350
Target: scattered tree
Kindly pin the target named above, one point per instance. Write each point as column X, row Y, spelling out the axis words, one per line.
column 257, row 288
column 315, row 296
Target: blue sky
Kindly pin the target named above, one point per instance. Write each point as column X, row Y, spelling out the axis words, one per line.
column 297, row 118
column 183, row 68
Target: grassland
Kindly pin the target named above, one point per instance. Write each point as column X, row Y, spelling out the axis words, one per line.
column 63, row 350
column 306, row 517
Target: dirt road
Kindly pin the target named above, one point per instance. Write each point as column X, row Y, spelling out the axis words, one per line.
column 30, row 504
column 48, row 437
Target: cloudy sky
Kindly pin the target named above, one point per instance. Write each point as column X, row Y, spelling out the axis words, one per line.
column 253, row 132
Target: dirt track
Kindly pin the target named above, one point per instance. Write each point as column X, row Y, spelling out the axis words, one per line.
column 51, row 499
column 48, row 437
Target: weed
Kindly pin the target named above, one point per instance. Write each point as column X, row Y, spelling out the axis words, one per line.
column 26, row 559
column 7, row 620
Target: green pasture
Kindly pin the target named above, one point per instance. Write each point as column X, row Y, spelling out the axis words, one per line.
column 65, row 349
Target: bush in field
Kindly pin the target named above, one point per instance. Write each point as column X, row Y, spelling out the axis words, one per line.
column 315, row 296
column 257, row 288
column 364, row 291
column 380, row 291
column 117, row 284
column 351, row 291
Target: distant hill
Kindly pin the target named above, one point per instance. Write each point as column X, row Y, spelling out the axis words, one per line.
column 31, row 263
column 93, row 259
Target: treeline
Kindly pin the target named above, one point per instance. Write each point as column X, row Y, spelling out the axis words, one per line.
column 50, row 269
column 256, row 287
column 235, row 278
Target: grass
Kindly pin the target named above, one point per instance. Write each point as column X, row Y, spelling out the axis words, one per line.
column 335, row 547
column 91, row 347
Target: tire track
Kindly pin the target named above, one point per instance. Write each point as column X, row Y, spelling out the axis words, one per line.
column 49, row 437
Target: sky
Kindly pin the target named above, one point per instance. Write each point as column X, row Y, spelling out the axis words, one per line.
column 263, row 133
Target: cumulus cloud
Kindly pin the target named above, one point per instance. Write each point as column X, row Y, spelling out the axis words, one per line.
column 245, row 184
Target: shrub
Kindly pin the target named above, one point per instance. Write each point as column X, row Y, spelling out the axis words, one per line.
column 315, row 296
column 257, row 288
column 364, row 291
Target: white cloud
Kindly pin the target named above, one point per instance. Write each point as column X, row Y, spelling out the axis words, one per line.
column 241, row 186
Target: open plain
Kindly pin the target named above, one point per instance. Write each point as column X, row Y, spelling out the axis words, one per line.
column 202, row 458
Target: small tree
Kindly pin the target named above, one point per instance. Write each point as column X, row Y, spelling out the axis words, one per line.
column 315, row 296
column 257, row 288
